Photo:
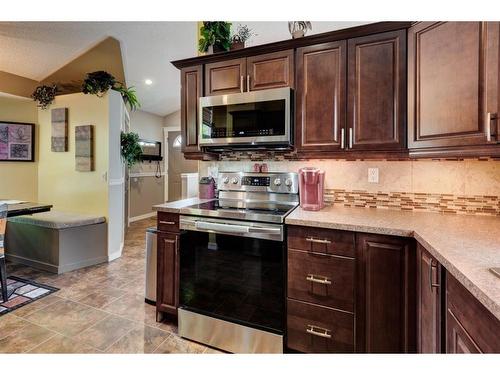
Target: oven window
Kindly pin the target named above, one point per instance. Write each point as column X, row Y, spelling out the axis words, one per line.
column 233, row 278
column 244, row 120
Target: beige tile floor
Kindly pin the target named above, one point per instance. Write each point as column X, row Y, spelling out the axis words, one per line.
column 98, row 309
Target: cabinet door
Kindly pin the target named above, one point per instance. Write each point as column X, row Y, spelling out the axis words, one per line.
column 376, row 92
column 225, row 77
column 452, row 84
column 270, row 71
column 320, row 96
column 167, row 296
column 191, row 90
column 429, row 294
column 458, row 340
column 385, row 309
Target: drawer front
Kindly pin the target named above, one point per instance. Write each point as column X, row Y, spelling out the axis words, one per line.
column 325, row 241
column 321, row 279
column 168, row 222
column 315, row 329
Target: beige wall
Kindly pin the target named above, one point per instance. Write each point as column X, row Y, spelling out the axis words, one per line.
column 16, row 85
column 58, row 181
column 146, row 190
column 173, row 120
column 467, row 177
column 18, row 180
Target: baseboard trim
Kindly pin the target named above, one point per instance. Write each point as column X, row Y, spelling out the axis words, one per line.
column 142, row 217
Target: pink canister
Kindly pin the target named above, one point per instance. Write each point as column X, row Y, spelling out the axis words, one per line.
column 311, row 188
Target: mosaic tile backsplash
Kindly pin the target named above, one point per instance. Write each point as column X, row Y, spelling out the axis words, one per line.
column 460, row 186
column 444, row 203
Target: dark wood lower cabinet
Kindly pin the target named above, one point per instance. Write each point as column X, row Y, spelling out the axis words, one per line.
column 385, row 309
column 167, row 290
column 429, row 295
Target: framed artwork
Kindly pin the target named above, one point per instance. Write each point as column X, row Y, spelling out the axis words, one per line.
column 17, row 141
column 59, row 139
column 84, row 148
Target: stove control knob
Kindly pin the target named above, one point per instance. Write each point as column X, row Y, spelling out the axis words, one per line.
column 234, row 180
column 226, row 180
column 277, row 181
column 288, row 182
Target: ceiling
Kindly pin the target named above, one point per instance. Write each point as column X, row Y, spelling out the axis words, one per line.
column 37, row 49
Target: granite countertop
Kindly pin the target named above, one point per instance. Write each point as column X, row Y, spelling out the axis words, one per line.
column 175, row 207
column 467, row 246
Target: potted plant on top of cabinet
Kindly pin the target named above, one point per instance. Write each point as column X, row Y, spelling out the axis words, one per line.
column 215, row 36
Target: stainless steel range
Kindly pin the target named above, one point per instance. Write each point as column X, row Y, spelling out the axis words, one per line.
column 232, row 263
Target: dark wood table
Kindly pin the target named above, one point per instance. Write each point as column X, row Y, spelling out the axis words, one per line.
column 27, row 208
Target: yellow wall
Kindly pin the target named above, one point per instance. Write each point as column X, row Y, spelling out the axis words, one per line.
column 18, row 180
column 58, row 181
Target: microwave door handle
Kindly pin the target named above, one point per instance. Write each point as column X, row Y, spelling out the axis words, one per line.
column 224, row 228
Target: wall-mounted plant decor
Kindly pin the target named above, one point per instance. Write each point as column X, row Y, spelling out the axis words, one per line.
column 84, row 148
column 17, row 141
column 131, row 150
column 98, row 83
column 59, row 139
column 44, row 95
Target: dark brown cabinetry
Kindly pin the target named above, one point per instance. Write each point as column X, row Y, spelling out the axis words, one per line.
column 385, row 312
column 376, row 103
column 453, row 88
column 320, row 97
column 429, row 296
column 167, row 286
column 259, row 72
column 191, row 90
column 470, row 327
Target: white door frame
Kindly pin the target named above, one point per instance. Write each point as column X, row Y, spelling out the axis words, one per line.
column 166, row 130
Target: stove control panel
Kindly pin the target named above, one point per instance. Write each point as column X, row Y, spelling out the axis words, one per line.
column 263, row 182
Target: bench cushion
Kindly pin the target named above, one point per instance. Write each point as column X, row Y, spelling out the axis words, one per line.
column 58, row 219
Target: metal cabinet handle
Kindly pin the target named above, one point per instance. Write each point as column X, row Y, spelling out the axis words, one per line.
column 487, row 126
column 167, row 222
column 342, row 138
column 248, row 82
column 318, row 279
column 431, row 283
column 241, row 83
column 318, row 331
column 350, row 137
column 316, row 240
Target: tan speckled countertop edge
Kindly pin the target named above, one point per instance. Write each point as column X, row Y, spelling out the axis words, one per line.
column 491, row 304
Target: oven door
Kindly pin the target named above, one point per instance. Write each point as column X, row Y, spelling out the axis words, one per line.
column 250, row 118
column 233, row 271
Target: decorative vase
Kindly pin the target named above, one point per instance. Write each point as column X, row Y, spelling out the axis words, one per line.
column 298, row 34
column 237, row 45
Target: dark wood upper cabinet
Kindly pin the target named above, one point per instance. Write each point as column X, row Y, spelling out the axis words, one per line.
column 167, row 296
column 320, row 96
column 452, row 87
column 385, row 308
column 271, row 70
column 191, row 91
column 429, row 296
column 376, row 104
column 225, row 77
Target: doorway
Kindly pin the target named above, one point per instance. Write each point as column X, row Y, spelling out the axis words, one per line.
column 176, row 165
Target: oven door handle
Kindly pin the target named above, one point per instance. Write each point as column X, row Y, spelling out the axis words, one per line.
column 225, row 228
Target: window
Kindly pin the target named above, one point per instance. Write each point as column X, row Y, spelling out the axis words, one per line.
column 177, row 141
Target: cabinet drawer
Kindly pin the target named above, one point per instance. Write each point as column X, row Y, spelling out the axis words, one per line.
column 321, row 279
column 315, row 329
column 168, row 222
column 325, row 241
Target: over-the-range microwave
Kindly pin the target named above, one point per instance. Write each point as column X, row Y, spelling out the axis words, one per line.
column 255, row 119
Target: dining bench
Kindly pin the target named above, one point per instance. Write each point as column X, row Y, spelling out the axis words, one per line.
column 56, row 241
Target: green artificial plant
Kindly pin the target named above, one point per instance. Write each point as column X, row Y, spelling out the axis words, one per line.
column 131, row 150
column 216, row 34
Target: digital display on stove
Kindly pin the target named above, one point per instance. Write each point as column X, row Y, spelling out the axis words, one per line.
column 255, row 181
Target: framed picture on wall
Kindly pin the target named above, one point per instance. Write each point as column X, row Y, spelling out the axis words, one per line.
column 17, row 141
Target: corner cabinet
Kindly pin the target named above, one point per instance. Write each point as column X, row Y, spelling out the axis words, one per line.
column 453, row 71
column 429, row 296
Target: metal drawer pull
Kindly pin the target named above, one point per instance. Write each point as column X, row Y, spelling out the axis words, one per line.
column 318, row 331
column 316, row 240
column 167, row 222
column 318, row 279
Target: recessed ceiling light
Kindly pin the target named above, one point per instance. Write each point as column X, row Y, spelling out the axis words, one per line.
column 148, row 82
